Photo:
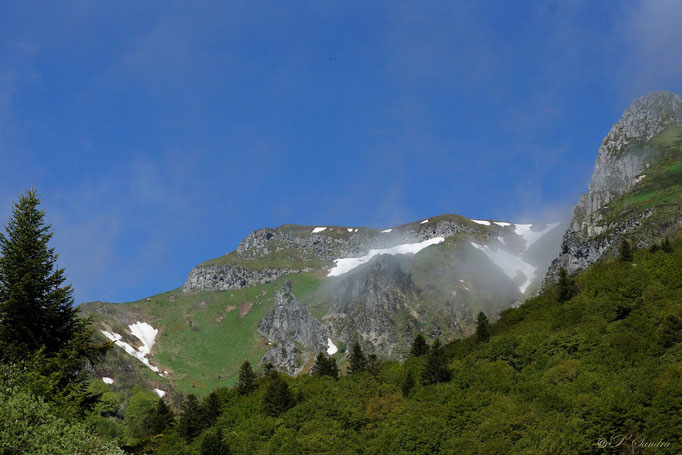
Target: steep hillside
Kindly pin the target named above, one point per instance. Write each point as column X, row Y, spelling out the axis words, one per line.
column 378, row 287
column 636, row 189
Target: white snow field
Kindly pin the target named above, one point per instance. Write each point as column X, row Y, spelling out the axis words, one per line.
column 386, row 231
column 159, row 392
column 345, row 265
column 483, row 222
column 524, row 230
column 510, row 264
column 145, row 333
column 424, row 222
column 502, row 223
column 107, row 380
column 318, row 229
column 331, row 347
column 350, row 229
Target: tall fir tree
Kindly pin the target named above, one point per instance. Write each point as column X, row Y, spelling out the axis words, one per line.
column 407, row 383
column 565, row 287
column 278, row 396
column 482, row 327
column 161, row 419
column 625, row 251
column 666, row 246
column 36, row 307
column 436, row 368
column 357, row 359
column 213, row 444
column 247, row 379
column 190, row 423
column 325, row 365
column 210, row 410
column 373, row 365
column 419, row 346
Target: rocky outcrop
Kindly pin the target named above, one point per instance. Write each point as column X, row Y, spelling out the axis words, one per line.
column 376, row 307
column 294, row 332
column 230, row 277
column 621, row 160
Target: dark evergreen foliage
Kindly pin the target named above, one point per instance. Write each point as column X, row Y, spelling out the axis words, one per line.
column 436, row 368
column 482, row 327
column 160, row 419
column 278, row 397
column 247, row 379
column 373, row 364
column 190, row 423
column 357, row 359
column 670, row 331
column 666, row 246
column 210, row 410
column 654, row 247
column 419, row 346
column 625, row 251
column 213, row 444
column 566, row 288
column 407, row 383
column 325, row 365
column 36, row 307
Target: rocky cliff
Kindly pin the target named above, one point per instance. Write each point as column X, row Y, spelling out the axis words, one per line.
column 295, row 334
column 627, row 151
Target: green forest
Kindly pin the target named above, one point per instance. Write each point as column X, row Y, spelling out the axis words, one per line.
column 592, row 365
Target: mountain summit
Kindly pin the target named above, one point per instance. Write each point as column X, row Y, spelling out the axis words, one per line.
column 635, row 188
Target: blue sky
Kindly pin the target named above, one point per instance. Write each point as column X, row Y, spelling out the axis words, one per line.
column 161, row 133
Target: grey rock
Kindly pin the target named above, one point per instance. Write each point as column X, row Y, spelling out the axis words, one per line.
column 620, row 161
column 229, row 277
column 295, row 333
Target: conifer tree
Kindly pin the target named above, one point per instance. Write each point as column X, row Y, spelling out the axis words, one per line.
column 357, row 359
column 482, row 327
column 666, row 246
column 373, row 364
column 210, row 410
column 565, row 287
column 436, row 368
column 419, row 346
column 407, row 383
column 278, row 397
column 654, row 247
column 625, row 251
column 190, row 423
column 325, row 365
column 160, row 419
column 213, row 444
column 36, row 307
column 247, row 379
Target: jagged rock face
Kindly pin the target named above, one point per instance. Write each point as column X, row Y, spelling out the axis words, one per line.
column 376, row 307
column 289, row 325
column 621, row 160
column 229, row 277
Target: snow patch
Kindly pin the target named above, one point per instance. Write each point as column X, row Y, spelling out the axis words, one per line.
column 159, row 392
column 350, row 229
column 640, row 178
column 424, row 222
column 145, row 333
column 483, row 222
column 108, row 381
column 502, row 223
column 530, row 236
column 318, row 229
column 510, row 264
column 345, row 265
column 386, row 231
column 331, row 347
column 501, row 240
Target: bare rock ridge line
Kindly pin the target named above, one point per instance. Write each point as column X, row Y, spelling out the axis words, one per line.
column 620, row 164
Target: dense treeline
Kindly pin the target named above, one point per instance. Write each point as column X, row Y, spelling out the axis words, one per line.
column 591, row 366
